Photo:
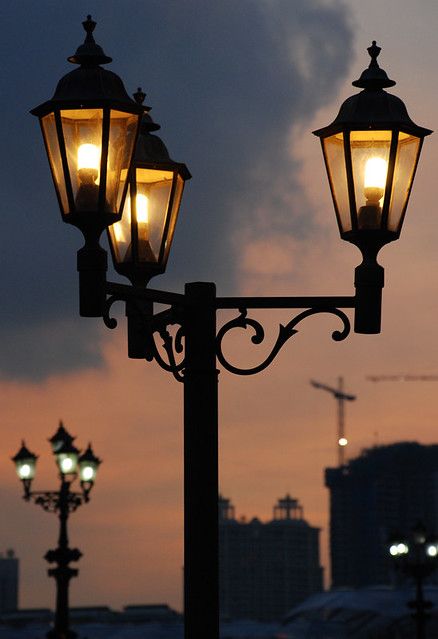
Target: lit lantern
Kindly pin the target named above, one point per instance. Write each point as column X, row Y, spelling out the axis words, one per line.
column 371, row 152
column 88, row 466
column 141, row 241
column 25, row 465
column 90, row 128
column 67, row 459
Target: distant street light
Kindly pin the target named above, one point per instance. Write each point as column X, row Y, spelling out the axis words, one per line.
column 416, row 557
column 62, row 502
column 370, row 201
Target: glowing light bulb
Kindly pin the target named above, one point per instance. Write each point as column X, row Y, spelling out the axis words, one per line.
column 343, row 441
column 25, row 471
column 88, row 157
column 375, row 179
column 87, row 473
column 393, row 550
column 402, row 549
column 67, row 465
column 142, row 206
column 432, row 550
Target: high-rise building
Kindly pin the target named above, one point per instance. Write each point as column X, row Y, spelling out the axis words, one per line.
column 266, row 568
column 384, row 492
column 8, row 582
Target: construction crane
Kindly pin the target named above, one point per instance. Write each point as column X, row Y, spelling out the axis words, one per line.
column 341, row 397
column 402, row 378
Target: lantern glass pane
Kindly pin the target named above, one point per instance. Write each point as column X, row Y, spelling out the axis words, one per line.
column 67, row 463
column 179, row 187
column 48, row 125
column 82, row 130
column 335, row 163
column 26, row 468
column 405, row 163
column 152, row 204
column 123, row 127
column 370, row 158
column 120, row 232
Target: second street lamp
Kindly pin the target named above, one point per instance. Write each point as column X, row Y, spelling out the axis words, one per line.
column 416, row 557
column 61, row 502
column 370, row 202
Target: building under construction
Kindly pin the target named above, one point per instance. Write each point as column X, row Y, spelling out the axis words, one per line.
column 384, row 491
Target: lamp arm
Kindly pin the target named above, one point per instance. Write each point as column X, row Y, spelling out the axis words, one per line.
column 285, row 332
column 144, row 326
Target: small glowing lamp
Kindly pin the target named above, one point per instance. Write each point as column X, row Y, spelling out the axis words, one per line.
column 67, row 459
column 343, row 441
column 88, row 466
column 402, row 548
column 25, row 464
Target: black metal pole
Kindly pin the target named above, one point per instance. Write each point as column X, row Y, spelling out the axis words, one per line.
column 62, row 573
column 201, row 570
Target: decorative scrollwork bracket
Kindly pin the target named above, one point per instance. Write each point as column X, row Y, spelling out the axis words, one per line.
column 285, row 332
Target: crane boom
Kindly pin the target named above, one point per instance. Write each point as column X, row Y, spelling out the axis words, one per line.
column 402, row 378
column 341, row 397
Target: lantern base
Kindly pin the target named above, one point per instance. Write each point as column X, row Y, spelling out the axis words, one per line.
column 369, row 282
column 92, row 266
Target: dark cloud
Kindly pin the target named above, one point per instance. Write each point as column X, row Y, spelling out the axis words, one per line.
column 227, row 80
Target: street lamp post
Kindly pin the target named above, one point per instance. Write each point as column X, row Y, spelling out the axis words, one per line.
column 371, row 152
column 416, row 557
column 61, row 502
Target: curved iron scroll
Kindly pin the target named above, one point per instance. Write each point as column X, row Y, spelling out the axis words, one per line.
column 159, row 323
column 50, row 500
column 284, row 334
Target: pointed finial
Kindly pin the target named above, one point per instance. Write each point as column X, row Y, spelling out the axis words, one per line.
column 147, row 124
column 89, row 53
column 139, row 96
column 374, row 51
column 373, row 78
column 89, row 26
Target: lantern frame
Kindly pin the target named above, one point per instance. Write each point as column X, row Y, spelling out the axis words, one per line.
column 151, row 156
column 371, row 110
column 88, row 88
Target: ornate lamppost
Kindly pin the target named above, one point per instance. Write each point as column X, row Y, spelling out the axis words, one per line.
column 371, row 152
column 62, row 502
column 417, row 558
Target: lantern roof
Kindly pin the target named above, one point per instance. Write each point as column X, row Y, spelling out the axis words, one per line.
column 23, row 454
column 89, row 84
column 89, row 456
column 373, row 108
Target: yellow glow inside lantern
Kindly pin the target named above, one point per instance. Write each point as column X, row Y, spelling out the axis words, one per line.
column 142, row 206
column 88, row 157
column 376, row 170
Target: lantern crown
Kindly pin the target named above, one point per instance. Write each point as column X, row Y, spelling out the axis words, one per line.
column 373, row 108
column 373, row 77
column 89, row 84
column 89, row 52
column 146, row 123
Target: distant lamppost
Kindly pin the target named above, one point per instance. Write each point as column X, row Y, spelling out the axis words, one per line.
column 371, row 152
column 61, row 502
column 416, row 557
